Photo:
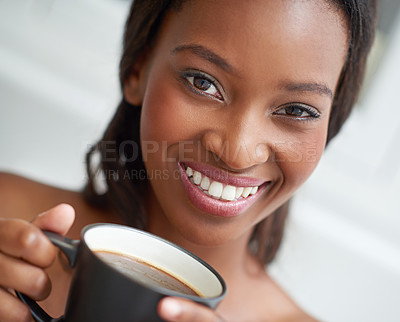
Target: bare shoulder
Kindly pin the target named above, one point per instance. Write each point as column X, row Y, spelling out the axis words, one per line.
column 268, row 300
column 292, row 312
column 24, row 198
column 282, row 307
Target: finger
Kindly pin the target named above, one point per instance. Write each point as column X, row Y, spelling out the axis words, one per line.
column 21, row 239
column 182, row 310
column 12, row 309
column 58, row 219
column 21, row 276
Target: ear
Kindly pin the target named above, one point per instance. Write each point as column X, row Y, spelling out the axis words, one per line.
column 132, row 90
column 133, row 87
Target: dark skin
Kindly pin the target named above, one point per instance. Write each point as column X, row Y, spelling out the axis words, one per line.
column 25, row 198
column 297, row 52
column 13, row 192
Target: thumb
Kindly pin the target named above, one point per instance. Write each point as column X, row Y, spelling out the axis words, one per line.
column 176, row 309
column 58, row 219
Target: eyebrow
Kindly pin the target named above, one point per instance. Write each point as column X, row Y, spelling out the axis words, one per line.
column 209, row 55
column 206, row 54
column 312, row 87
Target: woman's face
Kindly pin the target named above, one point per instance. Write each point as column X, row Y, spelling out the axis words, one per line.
column 240, row 92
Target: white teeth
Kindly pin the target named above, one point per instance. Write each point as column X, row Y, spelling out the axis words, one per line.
column 246, row 192
column 196, row 177
column 189, row 172
column 205, row 183
column 239, row 191
column 215, row 189
column 228, row 193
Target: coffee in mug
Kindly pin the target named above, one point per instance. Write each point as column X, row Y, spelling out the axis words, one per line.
column 121, row 274
column 147, row 273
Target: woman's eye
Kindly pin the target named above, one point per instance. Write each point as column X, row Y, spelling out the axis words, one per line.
column 203, row 85
column 298, row 111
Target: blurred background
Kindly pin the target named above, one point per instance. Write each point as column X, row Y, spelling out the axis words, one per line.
column 340, row 258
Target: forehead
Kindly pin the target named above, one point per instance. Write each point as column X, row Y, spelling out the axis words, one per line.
column 285, row 37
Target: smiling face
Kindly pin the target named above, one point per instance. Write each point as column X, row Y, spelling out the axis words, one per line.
column 236, row 98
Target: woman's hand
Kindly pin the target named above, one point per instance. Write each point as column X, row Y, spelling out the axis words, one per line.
column 183, row 310
column 24, row 254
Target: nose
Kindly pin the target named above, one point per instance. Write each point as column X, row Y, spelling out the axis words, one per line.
column 238, row 140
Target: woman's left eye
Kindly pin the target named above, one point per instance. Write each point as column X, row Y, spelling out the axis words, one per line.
column 202, row 84
column 298, row 111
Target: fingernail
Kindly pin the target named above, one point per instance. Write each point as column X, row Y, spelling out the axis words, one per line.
column 41, row 214
column 172, row 308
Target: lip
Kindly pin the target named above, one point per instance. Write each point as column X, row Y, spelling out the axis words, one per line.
column 223, row 177
column 219, row 207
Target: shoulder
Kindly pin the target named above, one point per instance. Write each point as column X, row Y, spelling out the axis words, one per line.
column 261, row 298
column 282, row 307
column 25, row 198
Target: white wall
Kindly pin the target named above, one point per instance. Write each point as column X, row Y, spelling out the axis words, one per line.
column 341, row 256
column 58, row 83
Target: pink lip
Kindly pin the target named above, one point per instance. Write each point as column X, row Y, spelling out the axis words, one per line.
column 223, row 177
column 214, row 206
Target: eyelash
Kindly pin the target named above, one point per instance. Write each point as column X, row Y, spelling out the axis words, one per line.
column 189, row 78
column 313, row 114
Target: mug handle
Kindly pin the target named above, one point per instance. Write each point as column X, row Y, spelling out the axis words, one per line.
column 70, row 248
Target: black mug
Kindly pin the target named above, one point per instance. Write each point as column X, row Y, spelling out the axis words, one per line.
column 101, row 292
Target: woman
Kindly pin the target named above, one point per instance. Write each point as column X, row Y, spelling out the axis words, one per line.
column 227, row 107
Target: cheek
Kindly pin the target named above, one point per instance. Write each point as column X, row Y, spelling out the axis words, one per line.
column 157, row 122
column 165, row 114
column 298, row 159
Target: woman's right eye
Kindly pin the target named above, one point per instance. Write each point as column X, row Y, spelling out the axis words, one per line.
column 202, row 84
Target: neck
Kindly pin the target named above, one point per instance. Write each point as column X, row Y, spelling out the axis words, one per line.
column 229, row 258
